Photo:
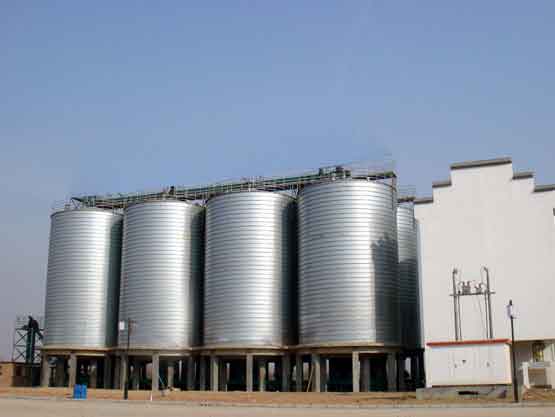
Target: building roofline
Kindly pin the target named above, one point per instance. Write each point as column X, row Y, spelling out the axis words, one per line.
column 481, row 163
column 439, row 184
column 423, row 200
column 523, row 175
column 469, row 342
column 544, row 188
column 406, row 199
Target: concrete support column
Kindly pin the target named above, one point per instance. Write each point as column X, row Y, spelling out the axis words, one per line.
column 401, row 366
column 117, row 373
column 324, row 374
column 72, row 369
column 155, row 372
column 356, row 372
column 60, row 372
column 262, row 374
column 414, row 370
column 190, row 373
column 391, row 369
column 420, row 369
column 286, row 373
column 107, row 383
column 214, row 372
column 202, row 373
column 171, row 374
column 365, row 374
column 136, row 375
column 124, row 371
column 298, row 373
column 525, row 375
column 45, row 373
column 316, row 373
column 222, row 385
column 249, row 372
column 93, row 373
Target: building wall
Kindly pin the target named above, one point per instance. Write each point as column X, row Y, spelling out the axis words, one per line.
column 469, row 364
column 487, row 218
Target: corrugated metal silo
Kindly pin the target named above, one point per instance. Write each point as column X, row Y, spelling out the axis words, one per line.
column 83, row 279
column 249, row 270
column 161, row 274
column 348, row 283
column 409, row 286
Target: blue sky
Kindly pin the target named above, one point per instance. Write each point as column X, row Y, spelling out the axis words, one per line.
column 123, row 96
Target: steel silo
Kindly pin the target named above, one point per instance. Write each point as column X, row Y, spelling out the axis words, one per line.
column 83, row 279
column 161, row 274
column 409, row 287
column 348, row 283
column 249, row 269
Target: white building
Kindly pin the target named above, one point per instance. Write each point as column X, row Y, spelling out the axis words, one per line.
column 488, row 215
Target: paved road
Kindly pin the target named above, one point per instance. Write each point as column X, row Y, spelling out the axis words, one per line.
column 67, row 408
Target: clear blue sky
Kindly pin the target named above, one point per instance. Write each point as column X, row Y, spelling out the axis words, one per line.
column 121, row 96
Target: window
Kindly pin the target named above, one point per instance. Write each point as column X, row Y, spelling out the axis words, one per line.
column 537, row 351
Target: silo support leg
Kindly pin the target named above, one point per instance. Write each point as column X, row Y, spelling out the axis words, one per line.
column 261, row 374
column 356, row 372
column 222, row 385
column 391, row 367
column 214, row 372
column 171, row 374
column 93, row 373
column 107, row 372
column 299, row 373
column 155, row 372
column 60, row 372
column 249, row 376
column 317, row 373
column 365, row 374
column 72, row 369
column 136, row 375
column 190, row 373
column 202, row 373
column 45, row 377
column 117, row 373
column 286, row 373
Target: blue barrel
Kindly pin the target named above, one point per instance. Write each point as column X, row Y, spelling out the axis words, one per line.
column 79, row 392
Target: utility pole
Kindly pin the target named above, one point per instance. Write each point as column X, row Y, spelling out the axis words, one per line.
column 512, row 316
column 488, row 304
column 455, row 306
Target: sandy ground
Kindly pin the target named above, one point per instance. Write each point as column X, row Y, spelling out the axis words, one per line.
column 33, row 407
column 262, row 398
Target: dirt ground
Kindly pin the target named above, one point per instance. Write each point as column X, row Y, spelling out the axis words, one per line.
column 270, row 398
column 33, row 407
